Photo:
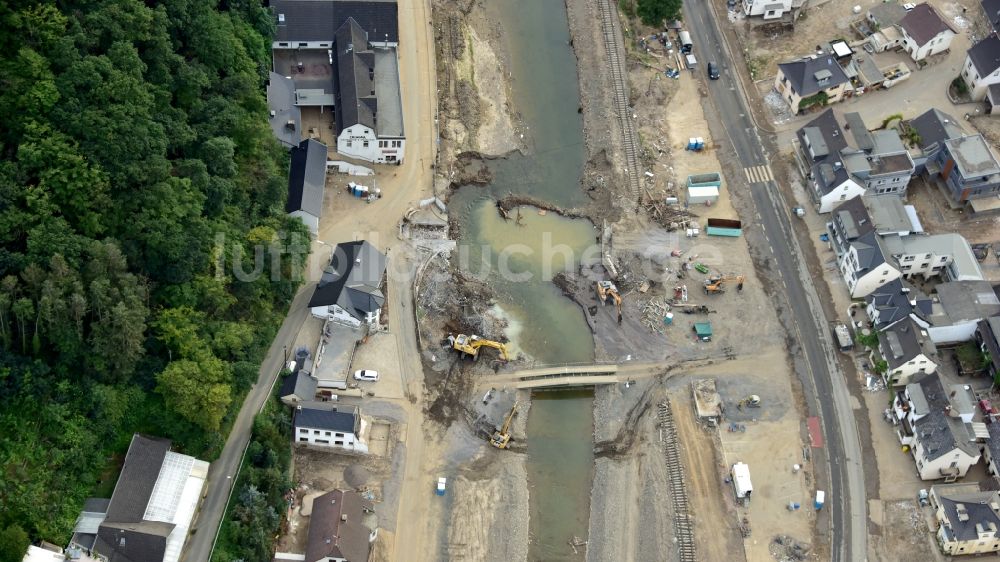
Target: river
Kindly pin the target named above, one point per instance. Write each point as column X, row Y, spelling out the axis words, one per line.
column 520, row 256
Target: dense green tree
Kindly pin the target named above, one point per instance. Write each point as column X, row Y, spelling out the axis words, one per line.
column 14, row 543
column 655, row 12
column 198, row 390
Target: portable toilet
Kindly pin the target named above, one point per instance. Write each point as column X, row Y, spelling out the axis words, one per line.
column 668, row 319
column 741, row 481
column 820, row 499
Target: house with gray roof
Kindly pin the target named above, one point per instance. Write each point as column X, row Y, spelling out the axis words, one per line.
column 982, row 66
column 885, row 14
column 956, row 310
column 350, row 290
column 341, row 56
column 968, row 518
column 968, row 172
column 150, row 511
column 931, row 129
column 341, row 528
column 988, row 340
column 864, row 266
column 307, row 183
column 946, row 255
column 907, row 350
column 297, row 387
column 285, row 117
column 925, row 32
column 317, row 424
column 936, row 422
column 817, row 79
column 991, row 10
column 895, row 301
column 885, row 216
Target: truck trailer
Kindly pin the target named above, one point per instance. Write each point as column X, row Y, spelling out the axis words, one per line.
column 741, row 482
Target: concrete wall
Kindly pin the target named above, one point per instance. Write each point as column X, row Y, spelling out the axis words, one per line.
column 358, row 141
column 931, row 469
column 941, row 42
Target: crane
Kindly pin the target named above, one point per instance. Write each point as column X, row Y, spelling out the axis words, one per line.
column 607, row 289
column 713, row 284
column 501, row 437
column 469, row 345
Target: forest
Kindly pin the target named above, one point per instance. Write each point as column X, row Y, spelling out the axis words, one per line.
column 133, row 138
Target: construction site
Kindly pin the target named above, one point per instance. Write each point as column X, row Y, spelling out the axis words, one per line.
column 589, row 394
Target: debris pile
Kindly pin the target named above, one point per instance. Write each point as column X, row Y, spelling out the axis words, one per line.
column 787, row 549
column 653, row 313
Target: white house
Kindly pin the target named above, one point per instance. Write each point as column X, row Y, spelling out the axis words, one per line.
column 907, row 351
column 810, row 81
column 770, row 9
column 968, row 518
column 350, row 291
column 925, row 32
column 982, row 66
column 948, row 255
column 956, row 309
column 307, row 183
column 370, row 110
column 864, row 267
column 342, row 527
column 331, row 428
column 937, row 426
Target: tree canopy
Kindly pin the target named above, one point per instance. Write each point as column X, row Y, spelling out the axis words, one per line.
column 133, row 136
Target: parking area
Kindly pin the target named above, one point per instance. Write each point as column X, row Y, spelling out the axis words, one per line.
column 378, row 353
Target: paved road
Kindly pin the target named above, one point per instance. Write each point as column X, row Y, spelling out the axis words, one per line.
column 222, row 472
column 826, row 386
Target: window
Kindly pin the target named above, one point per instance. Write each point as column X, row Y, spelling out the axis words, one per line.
column 383, row 144
column 366, row 144
column 338, row 443
column 348, row 144
column 944, row 259
column 327, row 433
column 339, row 434
column 927, row 257
column 906, row 268
column 315, row 432
column 303, row 439
column 323, row 441
column 390, row 158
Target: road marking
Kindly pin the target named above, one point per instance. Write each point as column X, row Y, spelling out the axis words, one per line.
column 759, row 174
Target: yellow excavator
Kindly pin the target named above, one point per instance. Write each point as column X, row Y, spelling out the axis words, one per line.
column 606, row 289
column 501, row 437
column 714, row 284
column 469, row 345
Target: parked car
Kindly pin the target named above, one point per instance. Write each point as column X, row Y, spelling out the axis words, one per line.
column 366, row 375
column 442, row 485
column 713, row 71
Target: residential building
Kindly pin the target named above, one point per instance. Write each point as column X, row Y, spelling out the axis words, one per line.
column 982, row 66
column 938, row 427
column 948, row 255
column 967, row 169
column 341, row 56
column 932, row 128
column 350, row 290
column 150, row 511
column 864, row 266
column 968, row 518
column 285, row 116
column 298, row 387
column 818, row 79
column 907, row 351
column 876, row 163
column 770, row 9
column 885, row 14
column 330, row 427
column 338, row 529
column 925, row 32
column 991, row 10
column 991, row 449
column 44, row 553
column 885, row 216
column 956, row 310
column 895, row 301
column 307, row 183
column 988, row 339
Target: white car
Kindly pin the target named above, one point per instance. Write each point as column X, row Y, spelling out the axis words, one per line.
column 366, row 375
column 909, row 6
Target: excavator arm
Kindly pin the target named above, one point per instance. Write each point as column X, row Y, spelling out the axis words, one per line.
column 501, row 347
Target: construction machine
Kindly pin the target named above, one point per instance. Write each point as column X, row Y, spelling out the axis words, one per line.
column 501, row 437
column 714, row 284
column 607, row 289
column 752, row 401
column 469, row 345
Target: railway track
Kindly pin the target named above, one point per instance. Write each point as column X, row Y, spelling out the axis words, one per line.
column 630, row 140
column 683, row 524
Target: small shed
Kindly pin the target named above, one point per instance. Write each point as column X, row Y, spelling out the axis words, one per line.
column 702, row 195
column 703, row 330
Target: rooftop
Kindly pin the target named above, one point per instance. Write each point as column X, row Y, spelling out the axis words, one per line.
column 991, row 9
column 307, row 178
column 824, row 135
column 318, row 20
column 902, row 341
column 896, row 300
column 336, row 529
column 949, row 244
column 353, row 279
column 299, row 384
column 869, row 252
column 367, row 83
column 887, row 14
column 923, row 23
column 963, row 301
column 285, row 117
column 973, row 156
column 812, row 75
column 341, row 418
column 888, row 214
column 985, row 55
column 934, row 127
column 968, row 509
